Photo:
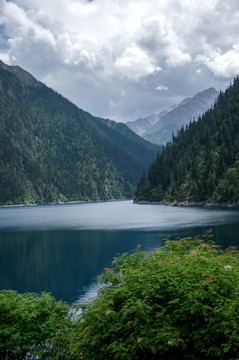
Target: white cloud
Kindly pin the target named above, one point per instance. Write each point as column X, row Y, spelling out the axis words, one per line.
column 222, row 64
column 4, row 57
column 120, row 50
column 161, row 87
column 177, row 57
column 160, row 37
column 134, row 63
column 198, row 71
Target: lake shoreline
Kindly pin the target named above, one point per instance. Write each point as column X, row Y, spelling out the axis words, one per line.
column 65, row 202
column 189, row 203
column 61, row 248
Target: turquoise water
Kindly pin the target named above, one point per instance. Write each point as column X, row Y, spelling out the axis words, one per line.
column 61, row 248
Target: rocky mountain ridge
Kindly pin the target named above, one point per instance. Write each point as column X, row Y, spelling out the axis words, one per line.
column 158, row 128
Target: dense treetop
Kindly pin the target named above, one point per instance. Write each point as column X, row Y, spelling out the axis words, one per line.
column 202, row 161
column 50, row 150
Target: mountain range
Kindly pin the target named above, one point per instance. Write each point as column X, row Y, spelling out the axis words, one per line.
column 52, row 151
column 158, row 128
column 201, row 164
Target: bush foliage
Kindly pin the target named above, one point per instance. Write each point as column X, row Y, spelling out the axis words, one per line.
column 29, row 323
column 178, row 302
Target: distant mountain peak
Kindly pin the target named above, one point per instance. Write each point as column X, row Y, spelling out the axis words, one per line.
column 23, row 75
column 158, row 128
column 200, row 165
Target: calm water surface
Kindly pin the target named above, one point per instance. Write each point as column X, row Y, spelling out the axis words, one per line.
column 61, row 248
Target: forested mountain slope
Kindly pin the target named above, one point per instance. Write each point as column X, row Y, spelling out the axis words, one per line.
column 202, row 162
column 52, row 151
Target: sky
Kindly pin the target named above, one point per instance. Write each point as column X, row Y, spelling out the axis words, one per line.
column 123, row 59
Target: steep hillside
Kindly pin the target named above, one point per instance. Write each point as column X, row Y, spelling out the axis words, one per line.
column 158, row 128
column 52, row 151
column 202, row 162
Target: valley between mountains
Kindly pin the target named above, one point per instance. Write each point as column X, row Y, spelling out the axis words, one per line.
column 51, row 151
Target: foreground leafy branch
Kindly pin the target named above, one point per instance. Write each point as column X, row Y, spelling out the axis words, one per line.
column 177, row 302
column 29, row 323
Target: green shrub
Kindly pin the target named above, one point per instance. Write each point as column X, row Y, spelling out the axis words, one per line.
column 180, row 301
column 29, row 323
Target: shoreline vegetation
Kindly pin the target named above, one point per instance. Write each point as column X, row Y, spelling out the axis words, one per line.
column 177, row 301
column 65, row 202
column 166, row 203
column 189, row 203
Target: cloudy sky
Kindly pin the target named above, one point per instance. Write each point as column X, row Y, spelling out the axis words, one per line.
column 123, row 59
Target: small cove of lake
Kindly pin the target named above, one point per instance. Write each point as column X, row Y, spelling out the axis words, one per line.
column 61, row 248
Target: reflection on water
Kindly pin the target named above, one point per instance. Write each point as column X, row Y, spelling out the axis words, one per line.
column 61, row 262
column 118, row 215
column 65, row 259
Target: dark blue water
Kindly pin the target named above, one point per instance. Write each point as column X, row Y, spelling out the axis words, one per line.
column 61, row 248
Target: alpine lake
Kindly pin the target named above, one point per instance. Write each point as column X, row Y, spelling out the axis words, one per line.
column 62, row 248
